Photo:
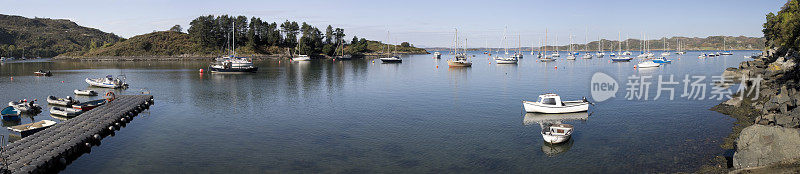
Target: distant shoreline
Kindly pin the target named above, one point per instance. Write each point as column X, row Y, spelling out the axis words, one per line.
column 195, row 58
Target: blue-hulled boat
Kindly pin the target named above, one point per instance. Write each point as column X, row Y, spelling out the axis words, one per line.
column 10, row 113
column 662, row 60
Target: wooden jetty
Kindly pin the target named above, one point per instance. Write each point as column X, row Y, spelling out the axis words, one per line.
column 50, row 150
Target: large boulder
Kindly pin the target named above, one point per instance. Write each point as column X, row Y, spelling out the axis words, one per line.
column 760, row 145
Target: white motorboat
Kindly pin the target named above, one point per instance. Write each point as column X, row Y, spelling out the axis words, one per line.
column 570, row 57
column 587, row 56
column 647, row 64
column 437, row 55
column 85, row 92
column 556, row 133
column 552, row 104
column 25, row 106
column 68, row 101
column 665, row 54
column 555, row 54
column 65, row 112
column 107, row 82
column 301, row 58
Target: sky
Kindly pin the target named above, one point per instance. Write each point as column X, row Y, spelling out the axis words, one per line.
column 431, row 23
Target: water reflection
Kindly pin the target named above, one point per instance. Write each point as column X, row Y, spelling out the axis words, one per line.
column 552, row 150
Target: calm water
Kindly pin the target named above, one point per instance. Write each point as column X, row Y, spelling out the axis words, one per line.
column 358, row 116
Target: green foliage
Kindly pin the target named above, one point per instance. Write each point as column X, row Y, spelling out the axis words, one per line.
column 176, row 28
column 783, row 29
column 405, row 44
column 46, row 37
column 210, row 35
column 162, row 43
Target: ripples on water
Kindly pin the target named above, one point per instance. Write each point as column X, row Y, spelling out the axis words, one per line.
column 359, row 116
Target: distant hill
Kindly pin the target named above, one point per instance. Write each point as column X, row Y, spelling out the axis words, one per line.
column 44, row 37
column 687, row 43
column 160, row 43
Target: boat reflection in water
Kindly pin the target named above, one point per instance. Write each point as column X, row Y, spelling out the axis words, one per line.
column 545, row 120
column 552, row 150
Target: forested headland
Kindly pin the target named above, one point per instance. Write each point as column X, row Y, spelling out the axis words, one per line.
column 207, row 36
column 44, row 37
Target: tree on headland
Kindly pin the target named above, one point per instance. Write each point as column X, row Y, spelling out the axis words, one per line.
column 176, row 28
column 782, row 30
column 405, row 44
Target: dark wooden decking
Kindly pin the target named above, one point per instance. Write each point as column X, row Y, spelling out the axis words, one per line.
column 50, row 150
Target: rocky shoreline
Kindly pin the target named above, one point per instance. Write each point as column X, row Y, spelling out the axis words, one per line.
column 765, row 136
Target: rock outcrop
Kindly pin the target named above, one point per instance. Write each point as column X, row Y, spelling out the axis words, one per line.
column 768, row 128
column 760, row 145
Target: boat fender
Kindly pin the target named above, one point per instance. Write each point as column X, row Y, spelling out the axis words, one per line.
column 87, row 145
column 117, row 125
column 110, row 96
column 122, row 120
column 97, row 137
column 111, row 128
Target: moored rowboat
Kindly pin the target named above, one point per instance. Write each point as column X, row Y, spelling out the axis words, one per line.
column 31, row 128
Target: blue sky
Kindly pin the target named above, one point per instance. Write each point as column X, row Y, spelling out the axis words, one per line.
column 430, row 23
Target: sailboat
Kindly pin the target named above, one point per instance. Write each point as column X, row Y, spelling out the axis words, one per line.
column 680, row 47
column 508, row 59
column 571, row 55
column 300, row 57
column 556, row 54
column 665, row 53
column 724, row 52
column 518, row 54
column 232, row 64
column 342, row 55
column 621, row 57
column 543, row 56
column 627, row 53
column 460, row 59
column 391, row 58
column 588, row 54
column 600, row 52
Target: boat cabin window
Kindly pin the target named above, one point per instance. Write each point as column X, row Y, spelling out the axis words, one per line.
column 549, row 101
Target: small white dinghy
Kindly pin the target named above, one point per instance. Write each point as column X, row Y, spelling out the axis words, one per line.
column 65, row 112
column 25, row 106
column 552, row 104
column 68, row 101
column 85, row 92
column 556, row 133
column 107, row 82
column 31, row 128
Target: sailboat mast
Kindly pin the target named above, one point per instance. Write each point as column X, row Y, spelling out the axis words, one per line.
column 545, row 42
column 233, row 30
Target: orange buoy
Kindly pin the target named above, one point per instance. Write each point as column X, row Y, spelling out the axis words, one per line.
column 556, row 67
column 437, row 66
